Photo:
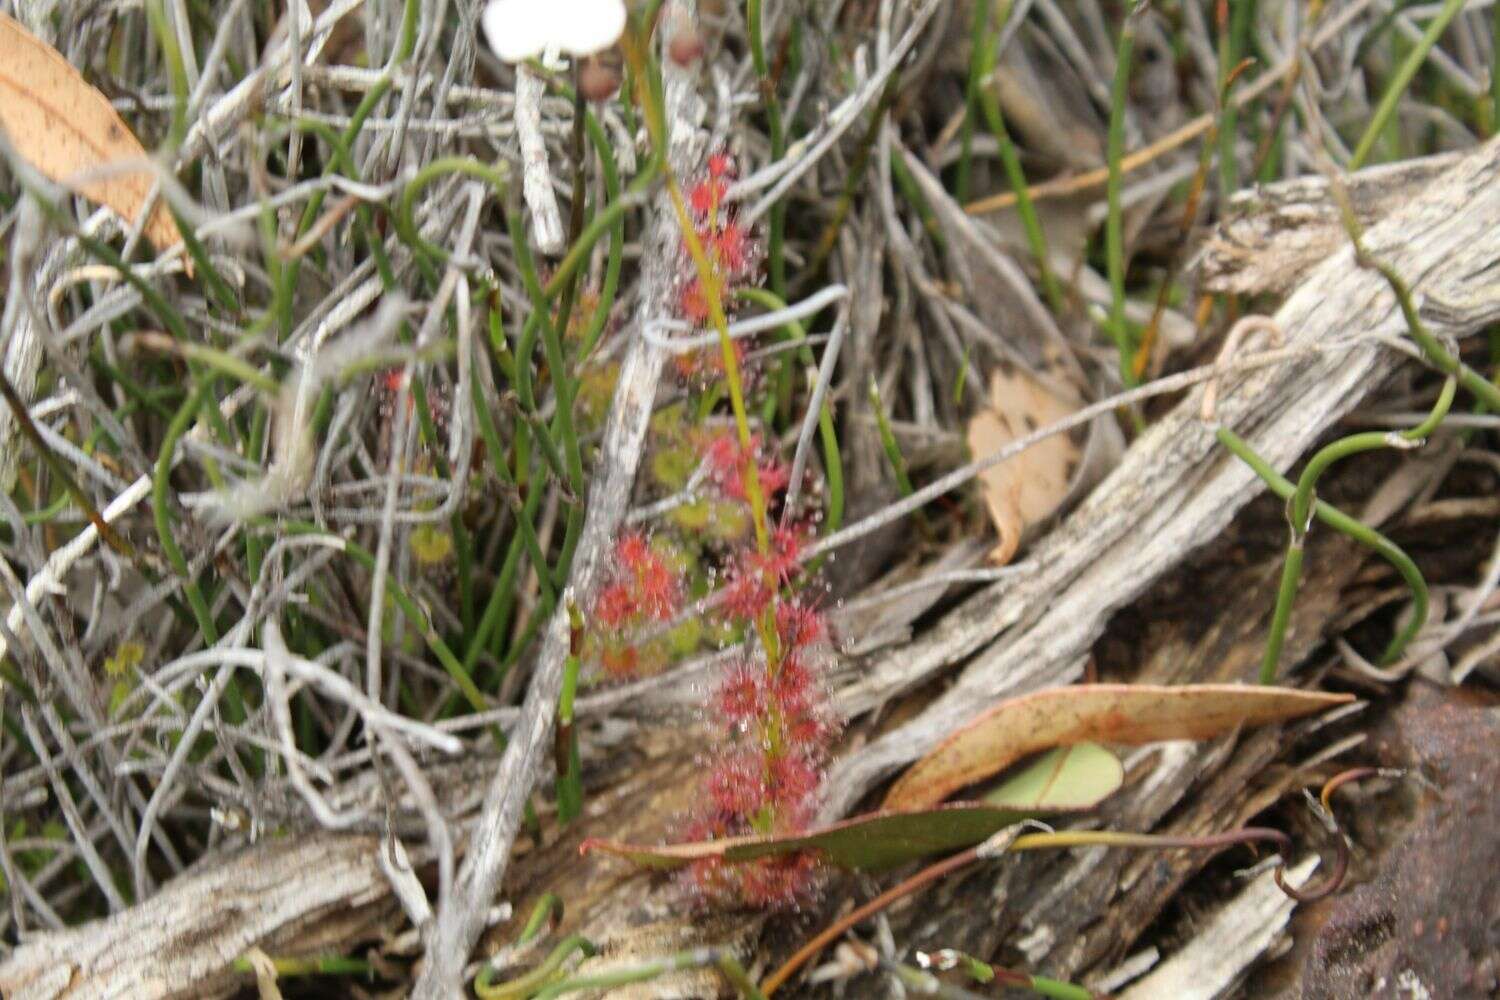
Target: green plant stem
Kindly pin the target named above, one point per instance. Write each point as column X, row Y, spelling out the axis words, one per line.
column 978, row 36
column 776, row 224
column 1114, row 242
column 888, row 440
column 235, row 710
column 925, row 983
column 176, row 73
column 548, row 909
column 1436, row 354
column 1056, row 989
column 219, row 289
column 1232, row 43
column 576, row 209
column 1031, row 223
column 1495, row 71
column 409, row 608
column 496, row 616
column 502, row 596
column 1405, row 73
column 343, row 159
column 709, row 281
column 541, row 433
column 406, row 44
column 531, row 984
column 327, row 965
column 912, row 192
column 565, row 749
column 1341, row 522
column 254, row 549
column 223, row 362
column 1281, row 615
column 1300, row 514
column 405, row 224
column 1010, row 158
column 1355, row 443
column 566, row 464
column 160, row 484
column 611, row 283
column 563, row 389
column 729, row 967
column 538, row 322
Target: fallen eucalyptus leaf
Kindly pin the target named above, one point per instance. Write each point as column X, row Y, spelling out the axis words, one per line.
column 1025, row 489
column 1066, row 778
column 1064, row 781
column 873, row 842
column 1112, row 713
column 65, row 128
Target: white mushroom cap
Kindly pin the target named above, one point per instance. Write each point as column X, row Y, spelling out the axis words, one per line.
column 521, row 29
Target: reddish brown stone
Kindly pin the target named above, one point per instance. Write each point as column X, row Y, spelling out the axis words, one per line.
column 1428, row 923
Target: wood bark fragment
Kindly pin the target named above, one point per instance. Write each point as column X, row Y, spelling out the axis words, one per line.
column 295, row 896
column 1272, row 235
column 1236, row 936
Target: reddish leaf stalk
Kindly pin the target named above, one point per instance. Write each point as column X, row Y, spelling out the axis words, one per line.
column 1040, row 841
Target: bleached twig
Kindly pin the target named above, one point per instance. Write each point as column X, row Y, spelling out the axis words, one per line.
column 461, row 917
column 536, row 176
column 653, row 329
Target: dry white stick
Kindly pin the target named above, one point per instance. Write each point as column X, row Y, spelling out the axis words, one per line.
column 19, row 325
column 334, row 685
column 820, row 381
column 1235, row 937
column 536, row 178
column 461, row 917
column 278, row 696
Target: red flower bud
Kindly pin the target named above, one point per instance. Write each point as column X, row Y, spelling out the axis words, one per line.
column 742, row 697
column 641, row 589
column 736, row 785
column 596, row 81
column 686, row 45
column 720, row 164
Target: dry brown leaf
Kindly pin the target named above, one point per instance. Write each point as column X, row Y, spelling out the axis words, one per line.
column 1109, row 713
column 64, row 128
column 1027, row 488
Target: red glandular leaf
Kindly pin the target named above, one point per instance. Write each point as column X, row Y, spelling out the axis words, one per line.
column 736, row 784
column 741, row 698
